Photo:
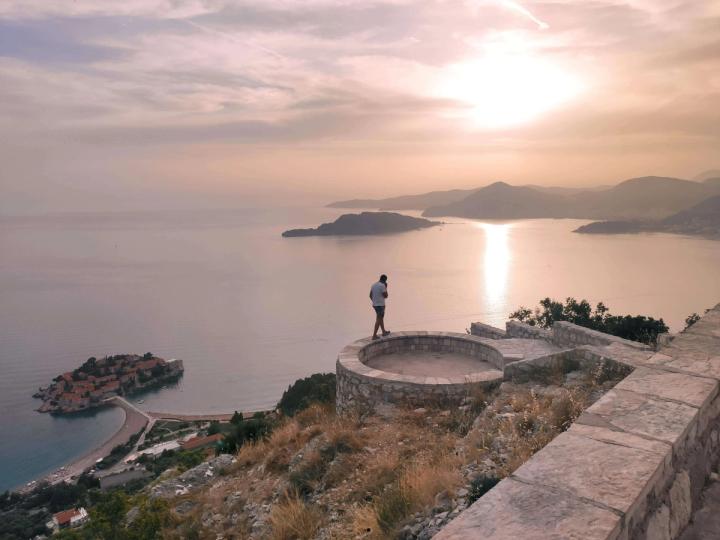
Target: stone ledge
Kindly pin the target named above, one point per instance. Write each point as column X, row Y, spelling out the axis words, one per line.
column 634, row 462
column 610, row 475
column 513, row 510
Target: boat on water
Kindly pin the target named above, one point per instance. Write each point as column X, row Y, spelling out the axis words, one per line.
column 140, row 401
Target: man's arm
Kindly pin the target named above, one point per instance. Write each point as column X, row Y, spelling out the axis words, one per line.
column 385, row 293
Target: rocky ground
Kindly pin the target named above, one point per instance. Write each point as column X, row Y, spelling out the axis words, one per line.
column 400, row 473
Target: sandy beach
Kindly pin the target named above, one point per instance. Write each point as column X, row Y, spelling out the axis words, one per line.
column 134, row 421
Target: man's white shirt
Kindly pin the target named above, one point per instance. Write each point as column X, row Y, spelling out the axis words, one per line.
column 376, row 293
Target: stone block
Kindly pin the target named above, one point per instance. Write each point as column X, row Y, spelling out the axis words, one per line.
column 659, row 525
column 616, row 476
column 622, row 438
column 695, row 391
column 680, row 503
column 663, row 420
column 513, row 510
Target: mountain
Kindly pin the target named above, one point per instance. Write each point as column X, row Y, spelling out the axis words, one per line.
column 644, row 198
column 365, row 223
column 440, row 198
column 503, row 201
column 712, row 173
column 407, row 202
column 703, row 219
column 648, row 197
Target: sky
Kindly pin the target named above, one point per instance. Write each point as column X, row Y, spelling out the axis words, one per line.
column 145, row 104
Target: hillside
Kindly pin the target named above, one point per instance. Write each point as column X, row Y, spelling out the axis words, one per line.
column 503, row 201
column 644, row 198
column 365, row 223
column 441, row 198
column 407, row 202
column 649, row 197
column 703, row 219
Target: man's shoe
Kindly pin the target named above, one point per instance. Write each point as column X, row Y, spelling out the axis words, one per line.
column 386, row 333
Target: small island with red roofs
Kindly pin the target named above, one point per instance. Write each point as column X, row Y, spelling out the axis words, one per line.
column 98, row 379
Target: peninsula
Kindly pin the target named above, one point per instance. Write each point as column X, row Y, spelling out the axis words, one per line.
column 365, row 223
column 703, row 219
column 101, row 378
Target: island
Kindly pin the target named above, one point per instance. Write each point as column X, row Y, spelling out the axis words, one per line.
column 98, row 379
column 365, row 223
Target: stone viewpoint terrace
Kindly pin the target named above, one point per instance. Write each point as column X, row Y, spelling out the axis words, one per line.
column 632, row 466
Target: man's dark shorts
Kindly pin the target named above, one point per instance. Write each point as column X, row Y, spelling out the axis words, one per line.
column 380, row 310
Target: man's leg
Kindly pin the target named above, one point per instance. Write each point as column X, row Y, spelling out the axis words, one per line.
column 378, row 322
column 381, row 321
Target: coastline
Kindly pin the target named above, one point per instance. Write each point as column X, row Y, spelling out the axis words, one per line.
column 134, row 422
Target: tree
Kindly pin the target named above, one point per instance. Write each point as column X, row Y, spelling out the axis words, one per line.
column 106, row 517
column 691, row 319
column 318, row 388
column 214, row 427
column 236, row 419
column 634, row 327
column 152, row 516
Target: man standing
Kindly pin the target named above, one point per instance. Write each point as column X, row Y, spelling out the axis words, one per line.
column 378, row 294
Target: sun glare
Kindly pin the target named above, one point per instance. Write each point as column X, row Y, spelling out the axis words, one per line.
column 496, row 262
column 506, row 89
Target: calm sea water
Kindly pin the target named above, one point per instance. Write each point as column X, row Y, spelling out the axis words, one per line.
column 249, row 312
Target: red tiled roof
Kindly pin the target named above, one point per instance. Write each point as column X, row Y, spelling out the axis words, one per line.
column 65, row 516
column 199, row 442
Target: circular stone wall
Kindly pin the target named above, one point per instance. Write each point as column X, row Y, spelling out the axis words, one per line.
column 413, row 368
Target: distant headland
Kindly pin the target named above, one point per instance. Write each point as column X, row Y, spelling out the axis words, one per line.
column 645, row 198
column 703, row 219
column 365, row 223
column 98, row 379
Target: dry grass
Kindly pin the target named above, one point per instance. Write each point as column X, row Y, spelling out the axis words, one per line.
column 252, row 453
column 372, row 474
column 414, row 489
column 294, row 519
column 382, row 471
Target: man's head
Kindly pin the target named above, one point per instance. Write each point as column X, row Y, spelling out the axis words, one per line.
column 383, row 279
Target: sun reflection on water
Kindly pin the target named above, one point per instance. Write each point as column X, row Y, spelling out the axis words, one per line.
column 496, row 263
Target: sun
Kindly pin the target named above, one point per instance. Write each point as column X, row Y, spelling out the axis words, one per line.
column 504, row 89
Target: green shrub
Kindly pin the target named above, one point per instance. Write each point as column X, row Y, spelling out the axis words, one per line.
column 634, row 327
column 318, row 388
column 480, row 486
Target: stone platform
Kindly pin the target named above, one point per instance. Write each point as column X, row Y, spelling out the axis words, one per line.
column 412, row 367
column 429, row 364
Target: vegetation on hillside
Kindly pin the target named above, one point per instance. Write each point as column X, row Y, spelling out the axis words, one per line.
column 318, row 388
column 322, row 475
column 633, row 327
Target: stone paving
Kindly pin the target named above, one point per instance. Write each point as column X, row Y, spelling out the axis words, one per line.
column 429, row 363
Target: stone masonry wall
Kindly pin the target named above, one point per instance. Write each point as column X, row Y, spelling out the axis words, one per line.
column 565, row 334
column 633, row 465
column 362, row 388
column 487, row 331
column 521, row 330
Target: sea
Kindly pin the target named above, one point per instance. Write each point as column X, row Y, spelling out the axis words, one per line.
column 249, row 312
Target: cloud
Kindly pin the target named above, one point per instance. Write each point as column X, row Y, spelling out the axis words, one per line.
column 124, row 77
